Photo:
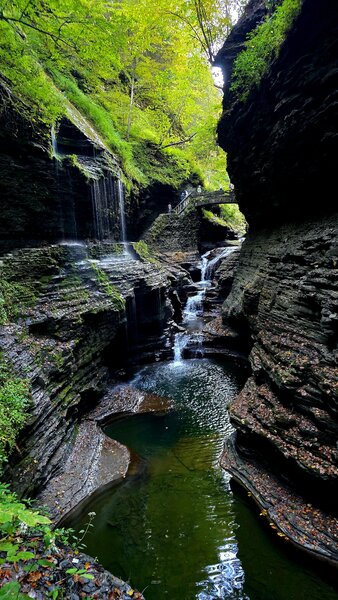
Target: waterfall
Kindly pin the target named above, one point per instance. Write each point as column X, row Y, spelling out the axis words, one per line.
column 192, row 310
column 204, row 265
column 102, row 194
column 120, row 198
column 194, row 305
column 55, row 152
column 181, row 342
column 213, row 263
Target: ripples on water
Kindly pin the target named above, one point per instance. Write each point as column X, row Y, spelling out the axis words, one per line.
column 173, row 529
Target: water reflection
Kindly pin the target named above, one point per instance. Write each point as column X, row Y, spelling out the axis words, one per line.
column 175, row 530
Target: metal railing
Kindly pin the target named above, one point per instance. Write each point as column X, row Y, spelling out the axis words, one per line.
column 183, row 204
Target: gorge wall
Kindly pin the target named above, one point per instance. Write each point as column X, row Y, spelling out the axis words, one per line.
column 77, row 305
column 75, row 319
column 282, row 145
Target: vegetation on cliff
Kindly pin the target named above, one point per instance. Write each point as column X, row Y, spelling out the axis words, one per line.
column 262, row 47
column 37, row 559
column 14, row 403
column 138, row 71
column 229, row 216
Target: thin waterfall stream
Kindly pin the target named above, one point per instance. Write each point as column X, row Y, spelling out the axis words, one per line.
column 194, row 307
column 173, row 527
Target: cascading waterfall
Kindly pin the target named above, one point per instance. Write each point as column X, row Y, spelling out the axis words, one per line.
column 194, row 306
column 120, row 198
column 204, row 265
column 214, row 262
column 55, row 151
column 102, row 193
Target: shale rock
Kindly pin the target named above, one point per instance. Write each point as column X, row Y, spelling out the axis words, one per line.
column 285, row 291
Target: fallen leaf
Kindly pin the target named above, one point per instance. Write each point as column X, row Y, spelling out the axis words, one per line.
column 33, row 577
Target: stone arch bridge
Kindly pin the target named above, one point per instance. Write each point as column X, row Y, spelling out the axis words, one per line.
column 204, row 199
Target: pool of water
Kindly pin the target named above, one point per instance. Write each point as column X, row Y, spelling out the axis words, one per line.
column 175, row 529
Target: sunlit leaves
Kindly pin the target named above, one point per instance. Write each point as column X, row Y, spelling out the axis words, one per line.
column 136, row 69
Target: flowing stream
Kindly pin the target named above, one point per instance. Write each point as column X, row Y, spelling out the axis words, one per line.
column 193, row 310
column 174, row 528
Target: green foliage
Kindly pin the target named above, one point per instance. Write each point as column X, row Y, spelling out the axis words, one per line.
column 118, row 301
column 136, row 70
column 15, row 518
column 14, row 403
column 14, row 514
column 11, row 591
column 262, row 47
column 28, row 543
column 230, row 216
column 143, row 251
column 233, row 217
column 81, row 572
column 99, row 117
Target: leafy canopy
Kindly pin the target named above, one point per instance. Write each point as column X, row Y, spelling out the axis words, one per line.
column 137, row 70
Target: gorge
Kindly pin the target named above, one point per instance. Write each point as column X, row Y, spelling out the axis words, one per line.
column 167, row 372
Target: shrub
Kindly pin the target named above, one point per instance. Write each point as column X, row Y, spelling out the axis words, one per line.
column 14, row 402
column 262, row 47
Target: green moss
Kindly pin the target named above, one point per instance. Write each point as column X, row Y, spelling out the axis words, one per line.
column 159, row 226
column 102, row 278
column 97, row 251
column 72, row 161
column 143, row 251
column 262, row 47
column 71, row 280
column 100, row 118
column 212, row 218
column 3, row 312
column 57, row 359
column 21, row 283
column 16, row 298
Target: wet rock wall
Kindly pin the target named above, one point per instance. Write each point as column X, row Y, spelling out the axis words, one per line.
column 68, row 331
column 282, row 150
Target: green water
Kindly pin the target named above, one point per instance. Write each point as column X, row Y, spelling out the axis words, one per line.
column 175, row 529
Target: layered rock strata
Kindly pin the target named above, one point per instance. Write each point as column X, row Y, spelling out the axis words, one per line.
column 73, row 321
column 285, row 292
column 96, row 461
column 282, row 142
column 54, row 185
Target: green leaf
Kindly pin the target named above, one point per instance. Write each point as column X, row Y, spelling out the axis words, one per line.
column 11, row 591
column 20, row 556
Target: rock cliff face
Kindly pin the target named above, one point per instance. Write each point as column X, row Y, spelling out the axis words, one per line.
column 282, row 143
column 76, row 316
column 282, row 147
column 54, row 185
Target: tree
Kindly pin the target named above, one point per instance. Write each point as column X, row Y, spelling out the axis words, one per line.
column 136, row 70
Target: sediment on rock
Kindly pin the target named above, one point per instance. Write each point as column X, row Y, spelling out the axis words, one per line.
column 286, row 289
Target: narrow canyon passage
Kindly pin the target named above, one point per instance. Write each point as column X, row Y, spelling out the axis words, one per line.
column 168, row 300
column 174, row 525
